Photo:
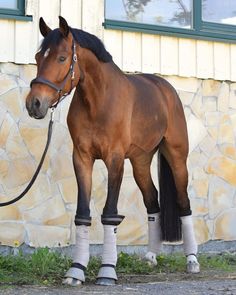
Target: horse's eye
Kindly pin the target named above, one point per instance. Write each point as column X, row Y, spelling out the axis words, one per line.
column 62, row 58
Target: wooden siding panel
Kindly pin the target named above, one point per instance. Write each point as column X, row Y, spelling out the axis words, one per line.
column 7, row 41
column 187, row 57
column 93, row 17
column 221, row 61
column 34, row 34
column 204, row 59
column 169, row 55
column 22, row 42
column 132, row 52
column 113, row 44
column 233, row 62
column 50, row 10
column 72, row 12
column 150, row 53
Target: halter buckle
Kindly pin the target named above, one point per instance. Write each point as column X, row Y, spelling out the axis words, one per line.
column 52, row 113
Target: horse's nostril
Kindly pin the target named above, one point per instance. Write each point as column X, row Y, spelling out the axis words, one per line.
column 36, row 103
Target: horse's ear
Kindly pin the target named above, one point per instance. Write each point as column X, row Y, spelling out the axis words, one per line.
column 63, row 26
column 44, row 29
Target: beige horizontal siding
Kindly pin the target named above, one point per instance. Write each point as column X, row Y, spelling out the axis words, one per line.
column 133, row 52
column 137, row 52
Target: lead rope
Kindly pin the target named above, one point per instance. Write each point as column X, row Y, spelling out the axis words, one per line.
column 39, row 165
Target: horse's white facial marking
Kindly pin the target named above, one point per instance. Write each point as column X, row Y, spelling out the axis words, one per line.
column 46, row 54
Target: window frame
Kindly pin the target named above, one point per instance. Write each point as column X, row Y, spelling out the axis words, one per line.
column 17, row 14
column 201, row 30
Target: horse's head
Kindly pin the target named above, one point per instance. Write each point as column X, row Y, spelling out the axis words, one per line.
column 57, row 69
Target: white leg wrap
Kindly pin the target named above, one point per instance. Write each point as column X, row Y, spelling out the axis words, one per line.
column 75, row 275
column 81, row 250
column 109, row 255
column 190, row 245
column 154, row 237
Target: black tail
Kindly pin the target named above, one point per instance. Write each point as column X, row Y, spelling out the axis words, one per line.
column 170, row 221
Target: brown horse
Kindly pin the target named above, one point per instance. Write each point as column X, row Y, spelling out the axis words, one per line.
column 114, row 116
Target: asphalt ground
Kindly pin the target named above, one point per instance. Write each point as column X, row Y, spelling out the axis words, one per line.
column 183, row 287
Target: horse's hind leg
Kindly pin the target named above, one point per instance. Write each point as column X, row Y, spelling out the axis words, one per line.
column 176, row 156
column 111, row 219
column 142, row 174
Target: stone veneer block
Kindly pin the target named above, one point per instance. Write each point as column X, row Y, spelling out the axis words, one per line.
column 61, row 166
column 68, row 189
column 207, row 145
column 15, row 147
column 225, row 228
column 10, row 69
column 228, row 150
column 197, row 105
column 220, row 196
column 11, row 233
column 201, row 187
column 28, row 73
column 224, row 168
column 63, row 220
column 232, row 99
column 5, row 128
column 35, row 140
column 201, row 230
column 43, row 213
column 184, row 84
column 196, row 132
column 6, row 83
column 212, row 118
column 47, row 236
column 186, row 97
column 223, row 98
column 209, row 103
column 199, row 207
column 19, row 172
column 10, row 212
column 38, row 194
column 226, row 132
column 210, row 87
column 12, row 102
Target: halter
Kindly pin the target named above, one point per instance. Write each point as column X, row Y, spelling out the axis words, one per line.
column 59, row 89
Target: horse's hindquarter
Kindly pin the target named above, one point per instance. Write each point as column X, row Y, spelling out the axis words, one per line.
column 149, row 117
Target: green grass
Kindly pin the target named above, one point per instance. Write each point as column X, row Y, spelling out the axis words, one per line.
column 46, row 267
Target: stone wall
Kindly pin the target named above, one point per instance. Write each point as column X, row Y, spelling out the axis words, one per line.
column 45, row 216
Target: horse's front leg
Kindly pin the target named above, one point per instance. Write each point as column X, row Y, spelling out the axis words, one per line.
column 83, row 169
column 110, row 220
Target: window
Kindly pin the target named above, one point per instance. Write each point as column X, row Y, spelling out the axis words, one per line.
column 13, row 9
column 200, row 19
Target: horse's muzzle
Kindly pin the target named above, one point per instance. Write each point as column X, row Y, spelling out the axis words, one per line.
column 37, row 107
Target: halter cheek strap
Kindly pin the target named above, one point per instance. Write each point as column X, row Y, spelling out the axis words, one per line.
column 59, row 89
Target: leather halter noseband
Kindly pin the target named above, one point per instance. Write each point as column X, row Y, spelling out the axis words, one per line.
column 59, row 89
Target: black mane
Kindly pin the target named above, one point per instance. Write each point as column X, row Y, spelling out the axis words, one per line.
column 85, row 40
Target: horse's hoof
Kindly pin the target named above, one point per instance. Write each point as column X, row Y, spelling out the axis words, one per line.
column 193, row 267
column 105, row 282
column 72, row 282
column 151, row 258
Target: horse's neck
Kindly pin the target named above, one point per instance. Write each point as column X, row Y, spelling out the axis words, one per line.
column 95, row 78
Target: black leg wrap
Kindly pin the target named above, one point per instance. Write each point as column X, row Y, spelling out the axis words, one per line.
column 78, row 265
column 112, row 219
column 185, row 212
column 82, row 220
column 108, row 265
